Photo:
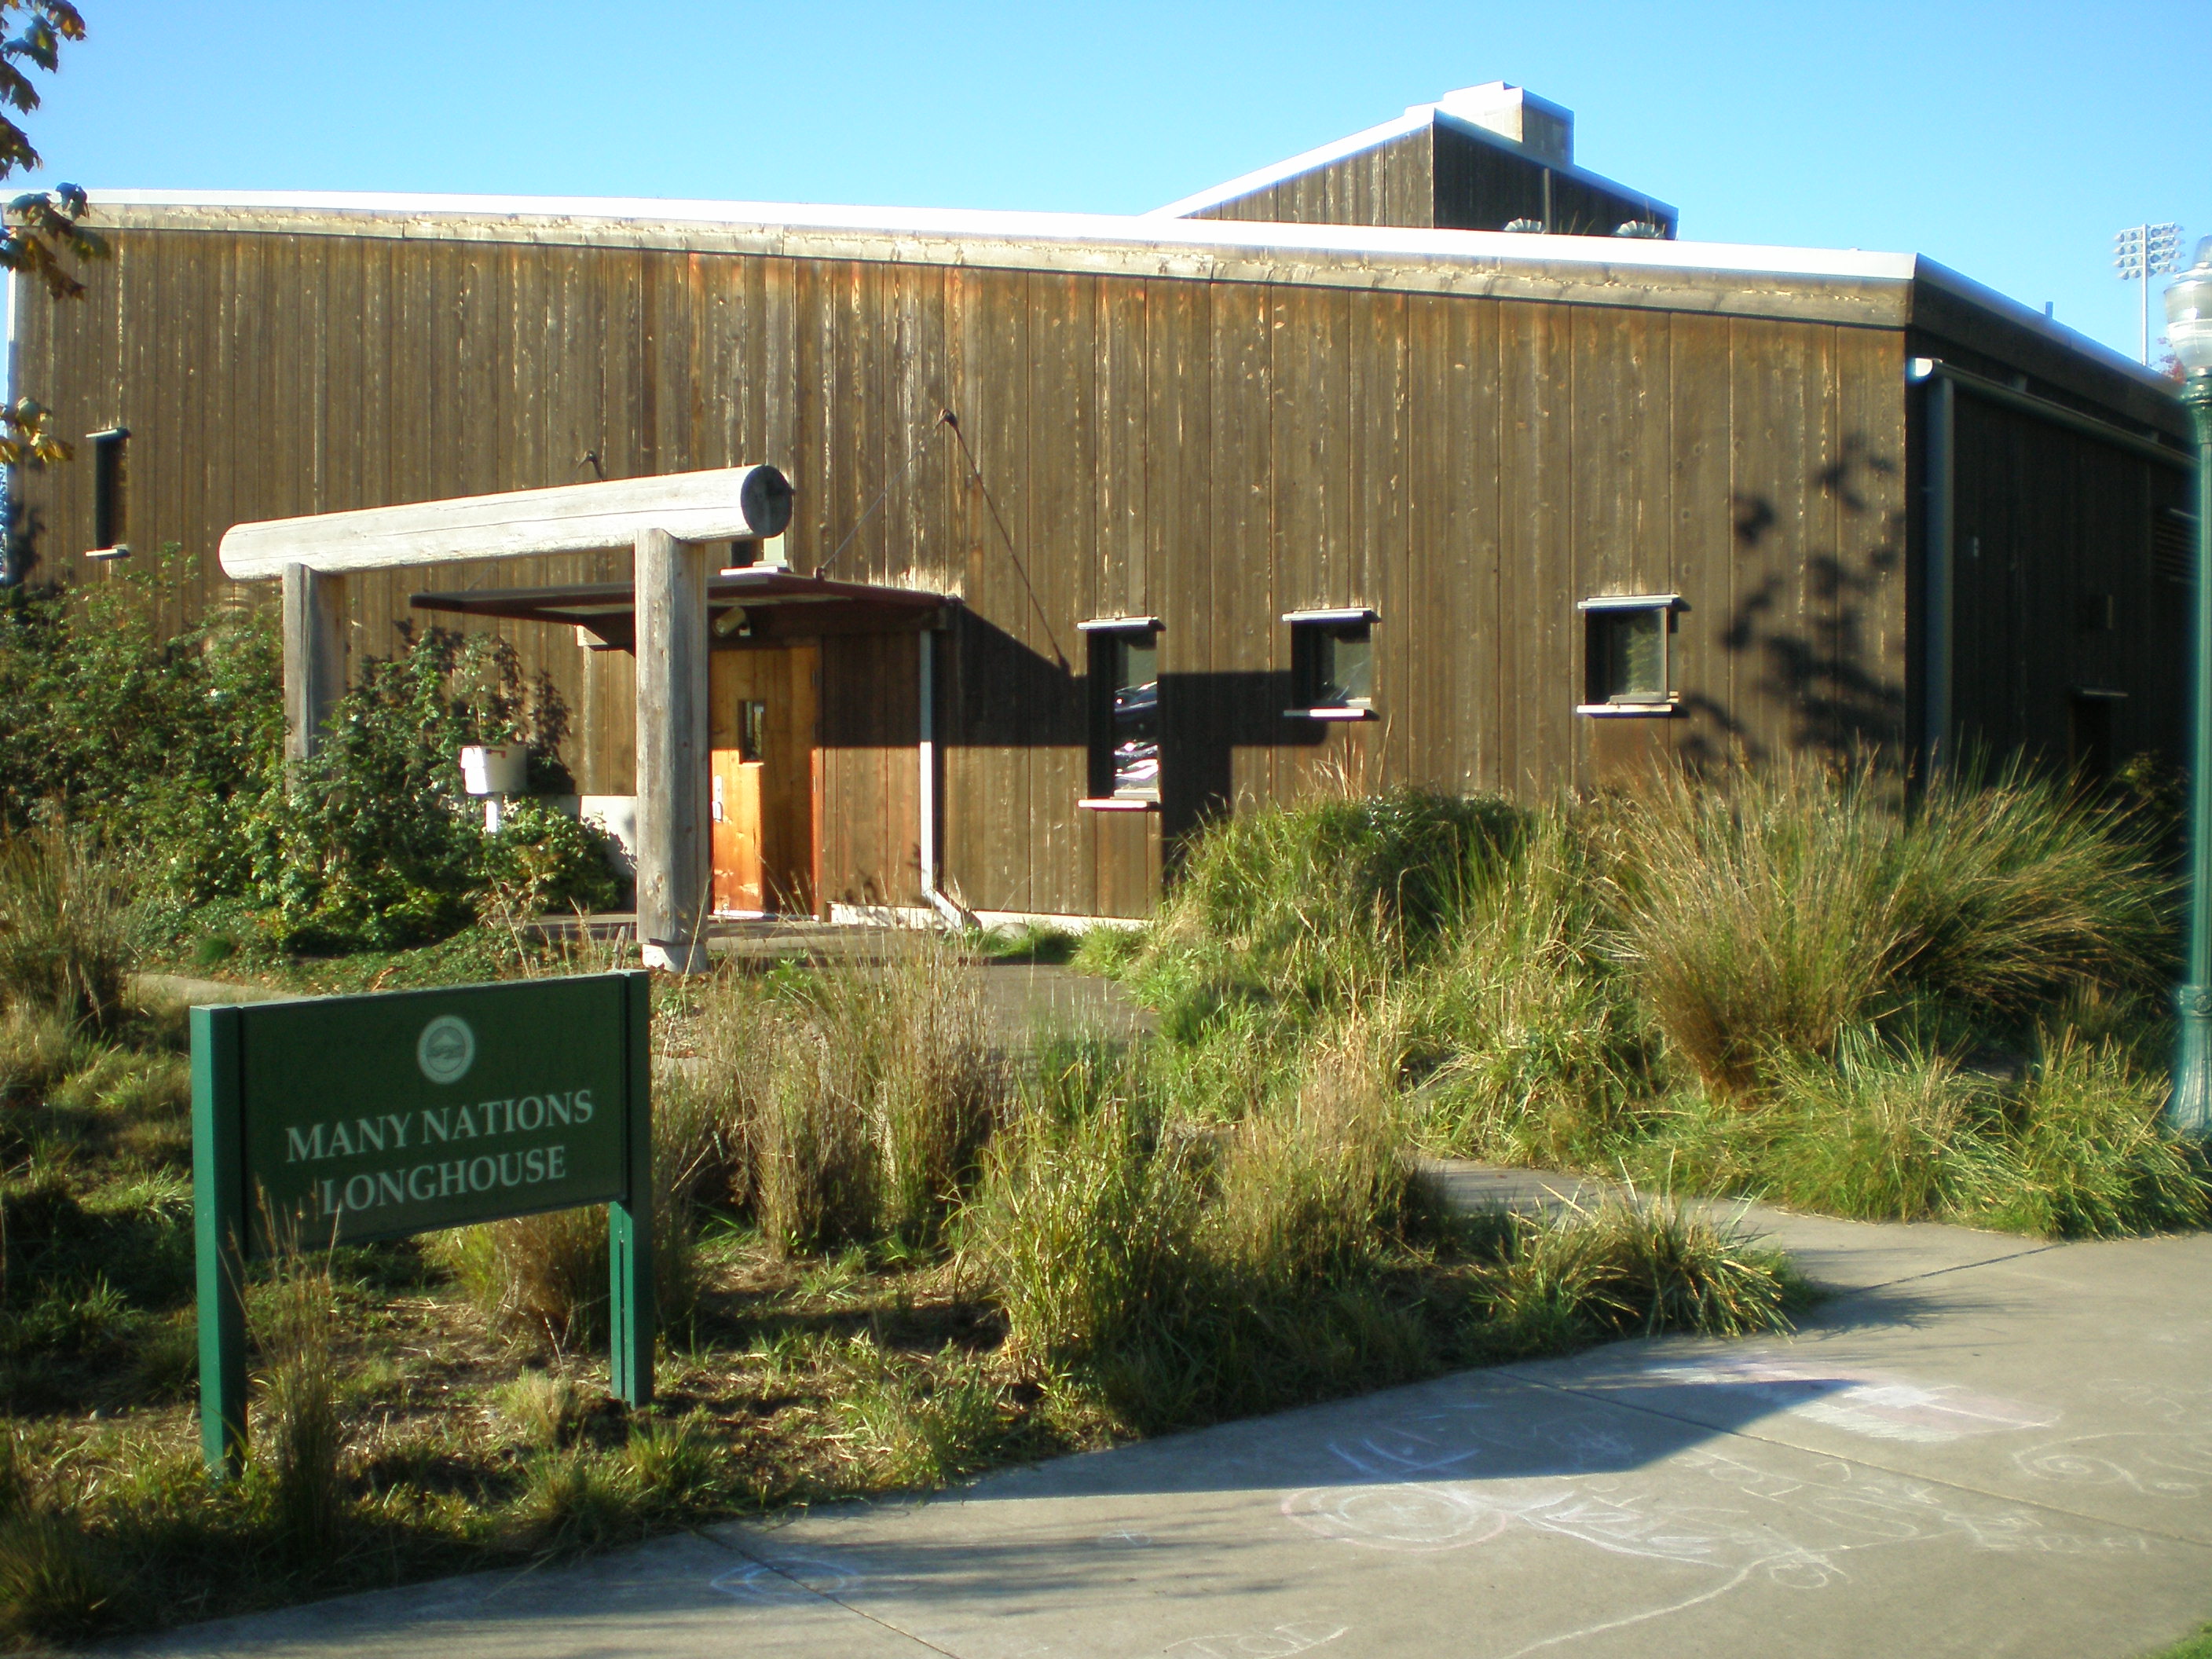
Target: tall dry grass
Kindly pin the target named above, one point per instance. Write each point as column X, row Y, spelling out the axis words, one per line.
column 1792, row 982
column 854, row 1102
column 1769, row 910
column 66, row 943
column 298, row 1433
column 547, row 1276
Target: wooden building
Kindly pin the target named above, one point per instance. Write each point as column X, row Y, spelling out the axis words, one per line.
column 1167, row 512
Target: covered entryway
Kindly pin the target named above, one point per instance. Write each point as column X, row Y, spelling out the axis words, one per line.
column 766, row 631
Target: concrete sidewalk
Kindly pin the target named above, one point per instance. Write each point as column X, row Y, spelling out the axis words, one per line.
column 1981, row 1445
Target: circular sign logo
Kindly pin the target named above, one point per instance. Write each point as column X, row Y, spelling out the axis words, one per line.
column 445, row 1049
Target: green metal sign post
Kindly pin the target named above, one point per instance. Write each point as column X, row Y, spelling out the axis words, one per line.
column 337, row 1120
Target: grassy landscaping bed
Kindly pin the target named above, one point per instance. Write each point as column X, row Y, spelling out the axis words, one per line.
column 892, row 1256
column 1794, row 985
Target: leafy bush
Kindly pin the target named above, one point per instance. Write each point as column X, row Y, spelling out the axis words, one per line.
column 168, row 747
column 166, row 743
column 374, row 846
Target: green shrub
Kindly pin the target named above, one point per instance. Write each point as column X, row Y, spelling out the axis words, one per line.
column 169, row 746
column 166, row 743
column 374, row 846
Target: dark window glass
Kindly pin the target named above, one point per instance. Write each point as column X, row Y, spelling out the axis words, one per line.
column 1333, row 664
column 108, row 527
column 1136, row 715
column 1347, row 667
column 753, row 731
column 1628, row 655
column 1125, row 750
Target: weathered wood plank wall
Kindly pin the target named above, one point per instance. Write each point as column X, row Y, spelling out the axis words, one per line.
column 2051, row 530
column 1439, row 176
column 1212, row 453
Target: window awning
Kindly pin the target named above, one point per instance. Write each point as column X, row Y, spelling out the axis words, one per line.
column 746, row 607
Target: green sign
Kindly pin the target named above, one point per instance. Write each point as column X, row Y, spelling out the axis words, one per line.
column 335, row 1120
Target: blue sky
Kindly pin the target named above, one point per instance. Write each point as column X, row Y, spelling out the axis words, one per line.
column 2008, row 140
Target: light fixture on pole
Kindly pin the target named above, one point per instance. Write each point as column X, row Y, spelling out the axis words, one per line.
column 2189, row 331
column 2141, row 253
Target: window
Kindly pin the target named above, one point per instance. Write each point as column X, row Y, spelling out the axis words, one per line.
column 110, row 532
column 1332, row 664
column 1627, row 640
column 752, row 729
column 1125, row 713
column 2089, row 730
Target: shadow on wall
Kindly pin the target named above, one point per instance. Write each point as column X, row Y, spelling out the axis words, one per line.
column 1004, row 695
column 1823, row 665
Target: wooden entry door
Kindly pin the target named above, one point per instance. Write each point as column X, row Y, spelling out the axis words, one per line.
column 761, row 723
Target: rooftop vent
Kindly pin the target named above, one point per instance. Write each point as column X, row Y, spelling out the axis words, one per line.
column 1538, row 126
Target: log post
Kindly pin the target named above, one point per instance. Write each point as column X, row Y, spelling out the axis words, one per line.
column 314, row 627
column 674, row 852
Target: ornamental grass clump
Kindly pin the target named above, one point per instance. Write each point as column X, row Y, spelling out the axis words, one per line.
column 854, row 1101
column 1086, row 1224
column 66, row 943
column 298, row 1435
column 1767, row 911
column 1309, row 906
column 1316, row 1187
column 1529, row 1041
column 1631, row 1265
column 546, row 1277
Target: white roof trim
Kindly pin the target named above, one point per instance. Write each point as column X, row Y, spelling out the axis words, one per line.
column 1420, row 116
column 1275, row 171
column 1145, row 231
column 904, row 228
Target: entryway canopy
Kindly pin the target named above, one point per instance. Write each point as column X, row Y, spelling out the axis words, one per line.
column 760, row 605
column 669, row 521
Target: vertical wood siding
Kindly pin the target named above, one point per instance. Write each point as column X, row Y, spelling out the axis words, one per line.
column 1439, row 176
column 1214, row 454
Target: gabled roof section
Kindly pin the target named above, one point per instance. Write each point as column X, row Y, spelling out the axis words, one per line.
column 1455, row 110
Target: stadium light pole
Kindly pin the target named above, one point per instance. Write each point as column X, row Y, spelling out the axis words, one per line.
column 2189, row 331
column 2141, row 253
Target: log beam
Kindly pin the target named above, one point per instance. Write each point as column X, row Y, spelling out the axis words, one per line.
column 673, row 852
column 314, row 627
